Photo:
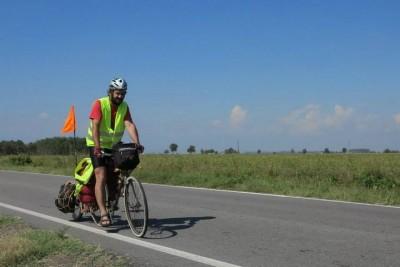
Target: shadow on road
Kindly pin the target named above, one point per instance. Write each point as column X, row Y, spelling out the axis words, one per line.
column 157, row 228
column 168, row 227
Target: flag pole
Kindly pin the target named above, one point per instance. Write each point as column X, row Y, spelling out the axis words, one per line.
column 76, row 155
column 69, row 126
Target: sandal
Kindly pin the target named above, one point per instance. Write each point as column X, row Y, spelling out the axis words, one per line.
column 105, row 220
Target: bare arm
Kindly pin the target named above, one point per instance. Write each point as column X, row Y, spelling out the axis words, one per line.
column 96, row 132
column 132, row 131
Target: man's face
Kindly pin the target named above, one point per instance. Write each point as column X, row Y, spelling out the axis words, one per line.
column 117, row 96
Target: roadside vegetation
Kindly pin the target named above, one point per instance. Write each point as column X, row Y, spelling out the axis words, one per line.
column 20, row 245
column 369, row 178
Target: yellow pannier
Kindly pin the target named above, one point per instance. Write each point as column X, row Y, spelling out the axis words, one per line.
column 83, row 172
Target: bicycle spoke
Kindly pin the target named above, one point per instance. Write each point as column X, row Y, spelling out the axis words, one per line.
column 136, row 207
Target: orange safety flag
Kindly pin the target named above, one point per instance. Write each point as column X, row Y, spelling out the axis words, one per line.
column 70, row 122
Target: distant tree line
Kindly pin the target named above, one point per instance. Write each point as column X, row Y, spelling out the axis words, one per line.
column 47, row 146
column 208, row 151
column 173, row 148
column 387, row 150
column 65, row 146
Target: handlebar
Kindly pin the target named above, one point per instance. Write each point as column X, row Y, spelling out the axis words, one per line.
column 104, row 154
column 135, row 146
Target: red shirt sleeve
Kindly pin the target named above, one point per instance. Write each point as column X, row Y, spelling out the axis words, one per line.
column 96, row 114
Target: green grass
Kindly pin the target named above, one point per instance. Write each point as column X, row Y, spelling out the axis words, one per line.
column 7, row 220
column 63, row 165
column 21, row 245
column 370, row 178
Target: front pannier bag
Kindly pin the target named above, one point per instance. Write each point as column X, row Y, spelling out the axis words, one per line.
column 126, row 156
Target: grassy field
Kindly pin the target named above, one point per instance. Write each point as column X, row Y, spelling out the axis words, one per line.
column 20, row 245
column 369, row 178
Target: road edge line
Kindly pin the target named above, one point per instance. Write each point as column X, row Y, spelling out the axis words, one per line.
column 137, row 242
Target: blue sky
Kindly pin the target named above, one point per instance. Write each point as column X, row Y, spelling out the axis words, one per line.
column 273, row 75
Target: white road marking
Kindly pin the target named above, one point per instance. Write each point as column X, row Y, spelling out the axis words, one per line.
column 137, row 242
column 237, row 192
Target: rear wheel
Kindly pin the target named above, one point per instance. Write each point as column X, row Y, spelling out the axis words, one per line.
column 136, row 206
column 77, row 214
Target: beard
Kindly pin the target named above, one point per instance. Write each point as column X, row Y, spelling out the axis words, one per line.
column 116, row 100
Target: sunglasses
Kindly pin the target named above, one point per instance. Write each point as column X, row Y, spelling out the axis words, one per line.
column 123, row 93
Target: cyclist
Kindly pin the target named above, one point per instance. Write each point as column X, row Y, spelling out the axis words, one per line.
column 109, row 118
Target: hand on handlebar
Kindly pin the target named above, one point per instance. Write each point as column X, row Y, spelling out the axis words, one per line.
column 97, row 152
column 140, row 148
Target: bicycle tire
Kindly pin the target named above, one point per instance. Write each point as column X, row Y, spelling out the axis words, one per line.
column 136, row 208
column 77, row 214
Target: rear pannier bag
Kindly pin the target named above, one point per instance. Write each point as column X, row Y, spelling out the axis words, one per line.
column 126, row 156
column 87, row 195
column 66, row 199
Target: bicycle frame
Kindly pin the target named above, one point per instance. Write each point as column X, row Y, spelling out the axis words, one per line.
column 127, row 187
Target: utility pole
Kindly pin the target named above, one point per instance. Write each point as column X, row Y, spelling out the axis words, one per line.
column 238, row 146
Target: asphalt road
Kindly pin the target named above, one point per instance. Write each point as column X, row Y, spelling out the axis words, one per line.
column 195, row 227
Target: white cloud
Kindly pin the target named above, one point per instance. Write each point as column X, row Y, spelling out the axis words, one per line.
column 310, row 120
column 340, row 115
column 304, row 120
column 238, row 116
column 396, row 118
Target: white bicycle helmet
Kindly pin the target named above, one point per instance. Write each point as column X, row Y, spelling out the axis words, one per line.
column 118, row 84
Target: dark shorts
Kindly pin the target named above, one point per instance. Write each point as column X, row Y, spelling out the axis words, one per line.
column 99, row 161
column 107, row 162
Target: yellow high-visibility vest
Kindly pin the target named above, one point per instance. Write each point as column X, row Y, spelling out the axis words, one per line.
column 108, row 136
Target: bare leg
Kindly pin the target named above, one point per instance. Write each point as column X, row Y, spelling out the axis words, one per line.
column 100, row 173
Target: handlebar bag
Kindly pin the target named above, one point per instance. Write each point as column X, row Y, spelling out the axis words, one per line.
column 126, row 156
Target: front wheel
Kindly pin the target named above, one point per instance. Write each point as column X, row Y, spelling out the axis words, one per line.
column 136, row 206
